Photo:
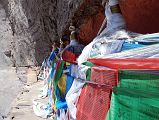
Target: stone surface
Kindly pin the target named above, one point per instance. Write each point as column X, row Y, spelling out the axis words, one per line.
column 9, row 89
column 30, row 22
column 12, row 81
column 31, row 76
column 22, row 74
column 22, row 107
column 5, row 39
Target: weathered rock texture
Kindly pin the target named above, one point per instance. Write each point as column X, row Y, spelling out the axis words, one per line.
column 34, row 24
column 5, row 40
column 29, row 30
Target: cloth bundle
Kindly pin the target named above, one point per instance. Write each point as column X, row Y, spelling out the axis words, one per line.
column 143, row 52
column 72, row 51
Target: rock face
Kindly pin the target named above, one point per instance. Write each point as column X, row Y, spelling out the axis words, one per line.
column 33, row 29
column 6, row 39
column 36, row 23
column 32, row 25
column 28, row 22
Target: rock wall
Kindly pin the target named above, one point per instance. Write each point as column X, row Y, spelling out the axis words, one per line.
column 35, row 24
column 28, row 22
column 6, row 40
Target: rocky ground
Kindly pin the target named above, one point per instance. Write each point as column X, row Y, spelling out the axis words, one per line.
column 9, row 89
column 18, row 87
column 22, row 106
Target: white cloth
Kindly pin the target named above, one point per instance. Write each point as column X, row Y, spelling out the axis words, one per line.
column 155, row 56
column 113, row 2
column 142, row 52
column 43, row 92
column 72, row 97
column 74, row 70
column 106, row 47
column 75, row 91
column 62, row 115
column 85, row 54
column 111, row 45
column 40, row 109
column 115, row 21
